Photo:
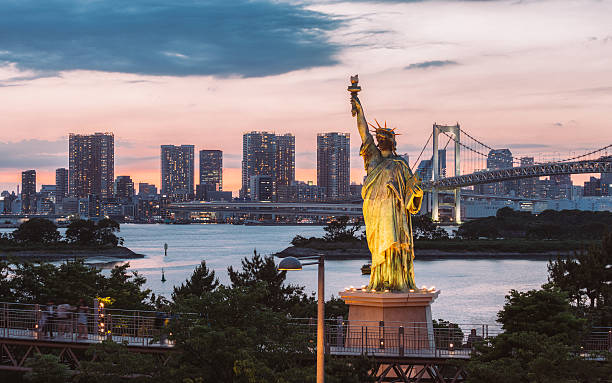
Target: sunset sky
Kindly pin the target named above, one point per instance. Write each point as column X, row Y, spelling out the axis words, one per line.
column 532, row 76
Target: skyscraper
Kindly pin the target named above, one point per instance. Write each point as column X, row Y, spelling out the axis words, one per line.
column 285, row 160
column 595, row 188
column 425, row 168
column 527, row 186
column 177, row 171
column 259, row 155
column 124, row 188
column 499, row 159
column 92, row 164
column 28, row 192
column 333, row 164
column 211, row 168
column 61, row 184
column 563, row 186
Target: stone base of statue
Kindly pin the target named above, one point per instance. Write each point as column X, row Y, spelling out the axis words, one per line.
column 397, row 320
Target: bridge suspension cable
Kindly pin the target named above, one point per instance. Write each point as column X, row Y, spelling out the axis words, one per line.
column 422, row 150
column 603, row 149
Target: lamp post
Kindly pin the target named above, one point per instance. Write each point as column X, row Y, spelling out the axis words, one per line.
column 292, row 263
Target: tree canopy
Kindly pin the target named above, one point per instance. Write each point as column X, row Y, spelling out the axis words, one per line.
column 550, row 224
column 41, row 233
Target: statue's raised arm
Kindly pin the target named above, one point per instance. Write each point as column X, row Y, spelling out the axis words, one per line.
column 357, row 109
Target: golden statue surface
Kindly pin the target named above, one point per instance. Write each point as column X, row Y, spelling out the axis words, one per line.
column 391, row 193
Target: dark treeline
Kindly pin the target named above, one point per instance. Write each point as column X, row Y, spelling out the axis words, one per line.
column 40, row 233
column 550, row 224
column 71, row 281
column 340, row 230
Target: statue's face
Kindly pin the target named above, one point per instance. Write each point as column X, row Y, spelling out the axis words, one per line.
column 385, row 142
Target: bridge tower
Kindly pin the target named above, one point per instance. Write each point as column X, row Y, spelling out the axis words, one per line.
column 455, row 130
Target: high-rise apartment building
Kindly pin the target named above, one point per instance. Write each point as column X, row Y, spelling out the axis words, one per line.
column 527, row 187
column 61, row 184
column 499, row 159
column 259, row 158
column 177, row 171
column 92, row 165
column 333, row 164
column 124, row 188
column 28, row 192
column 562, row 186
column 262, row 188
column 425, row 168
column 595, row 188
column 211, row 169
column 285, row 160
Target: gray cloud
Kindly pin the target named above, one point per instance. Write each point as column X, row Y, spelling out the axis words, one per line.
column 430, row 64
column 33, row 154
column 176, row 38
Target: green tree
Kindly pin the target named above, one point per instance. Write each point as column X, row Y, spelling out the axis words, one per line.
column 105, row 233
column 126, row 289
column 37, row 231
column 540, row 343
column 546, row 311
column 74, row 280
column 31, row 281
column 81, row 232
column 424, row 228
column 202, row 281
column 115, row 364
column 5, row 281
column 340, row 230
column 46, row 368
column 281, row 297
column 587, row 278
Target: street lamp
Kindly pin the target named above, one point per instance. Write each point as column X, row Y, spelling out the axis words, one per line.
column 294, row 264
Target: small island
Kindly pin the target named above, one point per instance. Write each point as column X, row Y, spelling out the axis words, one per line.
column 508, row 235
column 39, row 239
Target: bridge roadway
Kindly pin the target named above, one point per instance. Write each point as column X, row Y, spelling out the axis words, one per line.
column 303, row 209
column 601, row 165
column 271, row 208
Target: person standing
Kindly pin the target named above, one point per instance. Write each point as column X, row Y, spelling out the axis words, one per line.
column 48, row 319
column 82, row 320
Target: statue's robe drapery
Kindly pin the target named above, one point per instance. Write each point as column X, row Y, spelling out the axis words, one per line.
column 390, row 194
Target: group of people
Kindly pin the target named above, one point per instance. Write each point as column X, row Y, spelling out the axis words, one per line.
column 61, row 319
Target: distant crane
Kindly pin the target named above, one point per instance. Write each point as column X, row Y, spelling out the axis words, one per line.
column 163, row 276
column 165, row 249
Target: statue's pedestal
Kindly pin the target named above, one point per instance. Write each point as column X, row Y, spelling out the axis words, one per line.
column 390, row 319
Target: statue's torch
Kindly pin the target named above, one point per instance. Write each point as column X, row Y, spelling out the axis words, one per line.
column 354, row 88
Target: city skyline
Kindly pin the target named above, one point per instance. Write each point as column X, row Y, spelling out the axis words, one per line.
column 507, row 82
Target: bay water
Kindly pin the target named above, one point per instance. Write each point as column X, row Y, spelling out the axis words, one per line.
column 472, row 290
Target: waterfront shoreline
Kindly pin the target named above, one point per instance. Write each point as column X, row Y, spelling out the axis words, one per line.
column 420, row 254
column 118, row 252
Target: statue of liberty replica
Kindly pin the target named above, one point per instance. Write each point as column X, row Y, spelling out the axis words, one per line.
column 391, row 193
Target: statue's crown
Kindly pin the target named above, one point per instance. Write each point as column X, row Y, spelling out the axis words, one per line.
column 383, row 130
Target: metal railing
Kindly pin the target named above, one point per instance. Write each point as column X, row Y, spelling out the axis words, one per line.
column 93, row 325
column 421, row 340
column 395, row 339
